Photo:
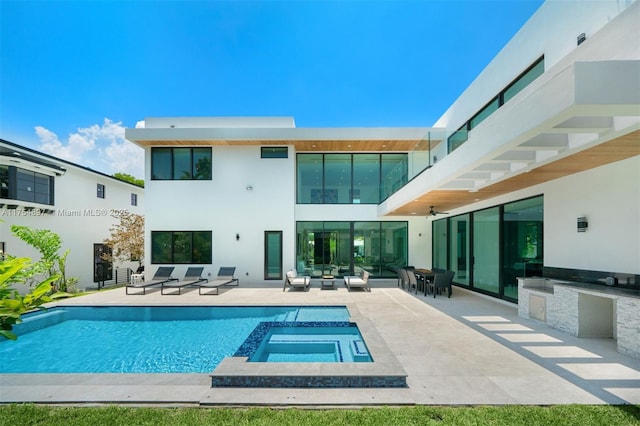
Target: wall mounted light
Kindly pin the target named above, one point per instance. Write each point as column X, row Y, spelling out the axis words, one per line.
column 237, row 237
column 582, row 224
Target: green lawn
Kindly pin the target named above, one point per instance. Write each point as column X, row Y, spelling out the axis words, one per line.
column 561, row 415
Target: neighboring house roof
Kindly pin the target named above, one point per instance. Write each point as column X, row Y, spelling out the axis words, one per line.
column 15, row 151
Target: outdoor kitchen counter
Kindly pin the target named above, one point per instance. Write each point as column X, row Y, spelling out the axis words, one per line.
column 584, row 310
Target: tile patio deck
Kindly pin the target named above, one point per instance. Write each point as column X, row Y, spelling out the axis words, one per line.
column 465, row 350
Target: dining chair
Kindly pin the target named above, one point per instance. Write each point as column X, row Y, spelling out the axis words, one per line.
column 442, row 280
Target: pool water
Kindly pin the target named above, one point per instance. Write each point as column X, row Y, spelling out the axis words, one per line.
column 312, row 343
column 160, row 339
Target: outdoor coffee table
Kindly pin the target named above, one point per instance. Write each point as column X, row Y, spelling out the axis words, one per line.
column 327, row 281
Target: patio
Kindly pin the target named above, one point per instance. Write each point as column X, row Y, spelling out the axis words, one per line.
column 466, row 350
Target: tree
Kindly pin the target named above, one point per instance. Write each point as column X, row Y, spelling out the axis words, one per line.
column 128, row 178
column 51, row 263
column 127, row 237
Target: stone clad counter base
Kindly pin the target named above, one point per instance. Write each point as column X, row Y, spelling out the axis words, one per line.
column 628, row 311
column 583, row 311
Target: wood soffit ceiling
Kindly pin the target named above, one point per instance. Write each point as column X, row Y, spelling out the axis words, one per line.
column 310, row 146
column 621, row 148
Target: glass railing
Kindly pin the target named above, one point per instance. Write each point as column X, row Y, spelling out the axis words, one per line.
column 427, row 152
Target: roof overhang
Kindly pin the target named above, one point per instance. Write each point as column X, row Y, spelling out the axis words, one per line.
column 573, row 121
column 303, row 139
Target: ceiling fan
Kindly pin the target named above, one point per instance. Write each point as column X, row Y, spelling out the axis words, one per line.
column 433, row 212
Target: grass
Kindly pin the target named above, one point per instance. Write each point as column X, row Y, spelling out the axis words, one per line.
column 512, row 415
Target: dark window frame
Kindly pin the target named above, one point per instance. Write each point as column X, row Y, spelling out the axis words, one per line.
column 101, row 191
column 270, row 152
column 353, row 195
column 172, row 248
column 134, row 199
column 16, row 180
column 266, row 255
column 457, row 138
column 208, row 175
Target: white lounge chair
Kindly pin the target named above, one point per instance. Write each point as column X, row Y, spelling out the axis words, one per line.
column 225, row 278
column 293, row 280
column 361, row 281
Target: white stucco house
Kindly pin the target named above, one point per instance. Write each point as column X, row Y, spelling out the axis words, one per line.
column 79, row 204
column 544, row 142
column 527, row 187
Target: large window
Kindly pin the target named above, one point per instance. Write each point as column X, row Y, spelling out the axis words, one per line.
column 394, row 172
column 460, row 136
column 486, row 250
column 191, row 247
column 366, row 178
column 349, row 178
column 522, row 241
column 25, row 185
column 485, row 112
column 460, row 260
column 489, row 249
column 4, row 181
column 346, row 248
column 523, row 80
column 181, row 163
column 337, row 179
column 309, row 178
column 439, row 244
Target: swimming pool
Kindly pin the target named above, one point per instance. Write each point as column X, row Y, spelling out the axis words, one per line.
column 145, row 339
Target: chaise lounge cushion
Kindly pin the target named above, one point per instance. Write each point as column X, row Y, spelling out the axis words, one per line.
column 293, row 280
column 361, row 281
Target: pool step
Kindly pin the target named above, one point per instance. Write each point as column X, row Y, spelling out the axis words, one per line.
column 359, row 351
column 40, row 320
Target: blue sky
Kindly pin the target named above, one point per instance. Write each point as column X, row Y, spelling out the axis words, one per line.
column 74, row 74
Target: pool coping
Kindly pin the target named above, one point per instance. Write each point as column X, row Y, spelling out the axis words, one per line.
column 456, row 352
column 125, row 387
column 384, row 372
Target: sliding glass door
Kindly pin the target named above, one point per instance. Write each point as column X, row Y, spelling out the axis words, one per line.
column 522, row 240
column 489, row 249
column 459, row 248
column 347, row 248
column 486, row 250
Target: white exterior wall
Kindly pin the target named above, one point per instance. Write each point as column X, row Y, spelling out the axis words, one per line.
column 225, row 206
column 80, row 218
column 609, row 196
column 551, row 31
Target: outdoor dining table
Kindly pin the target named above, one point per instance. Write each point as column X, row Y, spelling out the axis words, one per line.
column 424, row 275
